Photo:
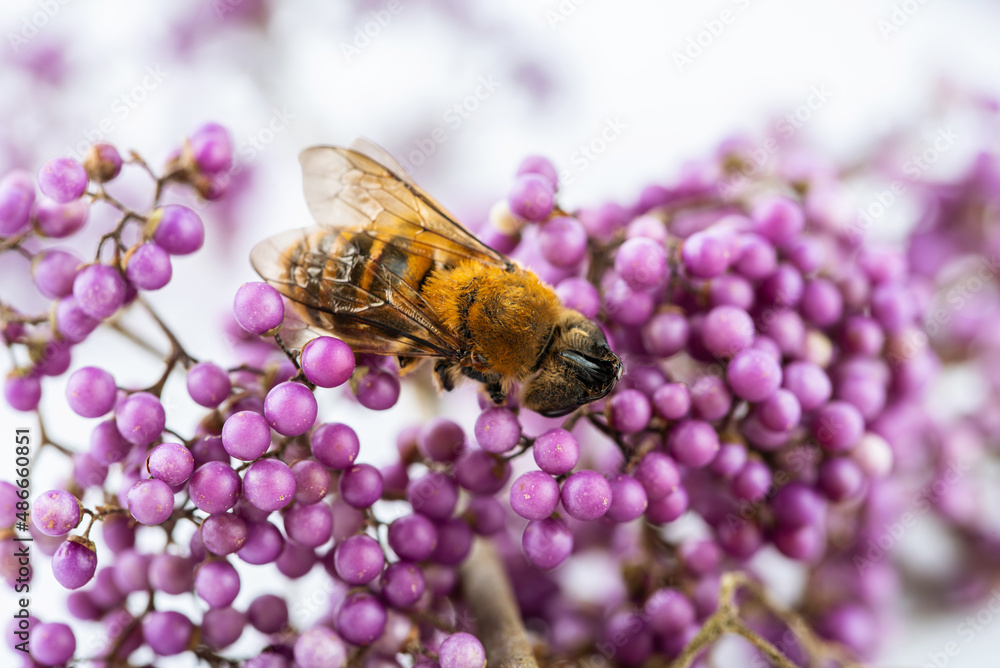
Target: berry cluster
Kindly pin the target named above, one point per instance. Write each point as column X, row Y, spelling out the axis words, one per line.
column 773, row 401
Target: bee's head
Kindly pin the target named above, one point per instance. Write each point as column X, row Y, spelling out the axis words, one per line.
column 578, row 368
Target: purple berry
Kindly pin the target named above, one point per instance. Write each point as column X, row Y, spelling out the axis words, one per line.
column 99, row 290
column 147, row 267
column 176, row 229
column 62, row 179
column 91, row 392
column 327, row 362
column 531, row 197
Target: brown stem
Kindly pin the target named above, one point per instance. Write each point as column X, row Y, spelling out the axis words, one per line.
column 726, row 619
column 491, row 600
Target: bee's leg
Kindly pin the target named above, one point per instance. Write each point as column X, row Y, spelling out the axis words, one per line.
column 496, row 392
column 445, row 374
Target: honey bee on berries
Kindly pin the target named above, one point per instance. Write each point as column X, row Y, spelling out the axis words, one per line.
column 390, row 272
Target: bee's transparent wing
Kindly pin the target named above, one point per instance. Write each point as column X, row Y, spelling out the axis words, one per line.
column 346, row 189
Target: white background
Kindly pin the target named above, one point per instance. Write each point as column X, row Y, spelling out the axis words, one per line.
column 563, row 71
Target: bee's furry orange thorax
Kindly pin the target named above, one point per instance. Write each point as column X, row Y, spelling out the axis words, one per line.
column 504, row 316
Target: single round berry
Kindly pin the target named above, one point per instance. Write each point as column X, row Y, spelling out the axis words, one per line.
column 629, row 411
column 441, row 440
column 56, row 512
column 224, row 533
column 579, row 295
column 706, row 254
column 176, row 229
column 359, row 560
column 53, row 272
column 665, row 334
column 658, row 475
column 309, row 525
column 62, row 179
column 335, row 446
column 403, row 584
column 74, row 562
column 91, row 392
column 642, row 263
column 140, row 418
column 268, row 613
column 534, row 495
column 170, row 462
column 217, row 583
column 147, row 267
column 531, row 197
column 361, row 619
column 361, row 486
column 319, row 647
column 327, row 362
column 497, row 430
column 462, row 650
column 211, row 148
column 838, row 426
column 56, row 221
column 413, row 537
column 290, row 408
column 378, row 390
column 246, row 435
column 628, row 498
column 586, row 495
column 268, row 484
column 103, row 163
column 693, row 443
column 562, row 242
column 754, row 375
column 778, row 218
column 556, row 451
column 215, row 487
column 727, row 330
column 72, row 323
column 151, row 501
column 99, row 290
column 312, row 481
column 781, row 411
column 208, row 384
column 546, row 543
column 52, row 644
column 167, row 632
column 434, row 494
column 258, row 308
column 809, row 383
column 537, row 164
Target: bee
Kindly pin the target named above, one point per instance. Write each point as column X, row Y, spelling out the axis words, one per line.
column 390, row 272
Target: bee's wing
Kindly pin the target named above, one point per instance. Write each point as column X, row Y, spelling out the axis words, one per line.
column 386, row 316
column 346, row 189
